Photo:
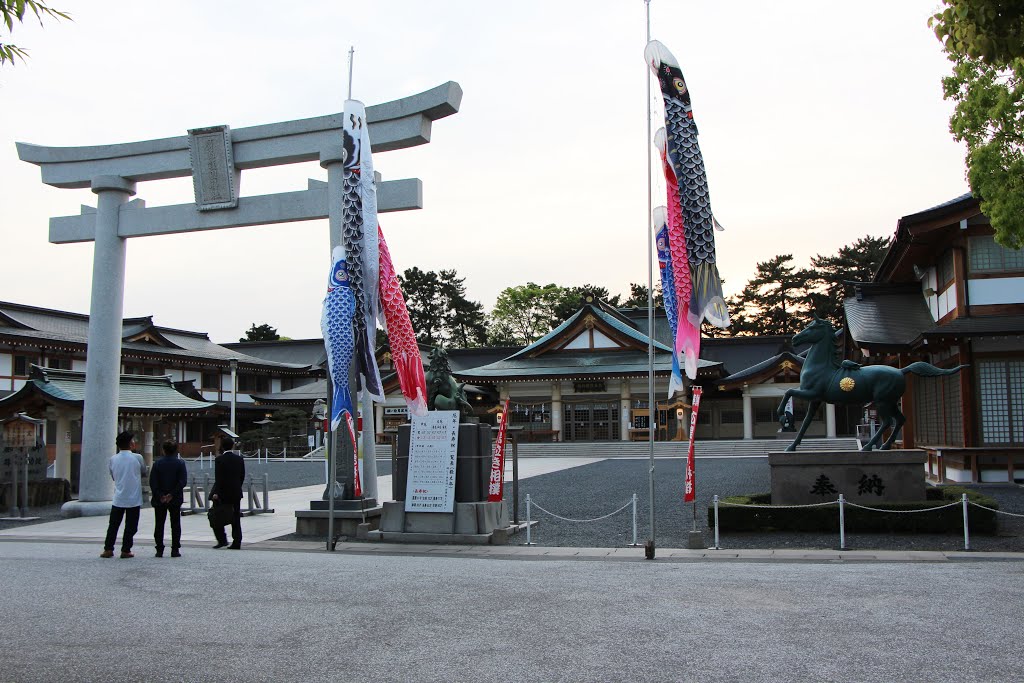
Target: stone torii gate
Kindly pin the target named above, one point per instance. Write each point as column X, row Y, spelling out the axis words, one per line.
column 215, row 158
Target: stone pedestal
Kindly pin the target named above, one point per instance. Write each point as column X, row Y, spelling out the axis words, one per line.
column 863, row 477
column 346, row 521
column 473, row 520
column 478, row 523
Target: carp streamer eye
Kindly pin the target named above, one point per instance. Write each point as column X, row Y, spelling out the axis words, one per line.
column 679, row 84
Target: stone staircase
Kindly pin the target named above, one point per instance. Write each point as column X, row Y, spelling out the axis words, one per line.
column 664, row 449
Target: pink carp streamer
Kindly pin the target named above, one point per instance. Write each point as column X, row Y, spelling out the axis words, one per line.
column 687, row 334
column 405, row 352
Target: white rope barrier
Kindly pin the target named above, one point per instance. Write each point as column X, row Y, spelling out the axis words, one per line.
column 530, row 504
column 904, row 512
column 595, row 519
column 998, row 512
column 842, row 502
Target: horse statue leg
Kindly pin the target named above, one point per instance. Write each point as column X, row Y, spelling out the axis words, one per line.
column 812, row 408
column 896, row 420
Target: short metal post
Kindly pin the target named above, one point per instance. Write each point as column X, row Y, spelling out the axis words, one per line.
column 252, row 495
column 192, row 492
column 206, row 490
column 716, row 523
column 842, row 523
column 634, row 543
column 967, row 533
column 24, row 488
column 529, row 540
column 266, row 494
column 14, row 488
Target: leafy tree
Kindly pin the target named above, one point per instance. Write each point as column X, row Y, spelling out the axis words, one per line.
column 14, row 11
column 990, row 30
column 572, row 298
column 774, row 301
column 638, row 296
column 439, row 310
column 259, row 333
column 525, row 313
column 856, row 262
column 985, row 41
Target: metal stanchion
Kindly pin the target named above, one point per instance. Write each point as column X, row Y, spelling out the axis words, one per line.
column 192, row 492
column 529, row 524
column 967, row 533
column 842, row 523
column 716, row 523
column 206, row 491
column 266, row 494
column 634, row 544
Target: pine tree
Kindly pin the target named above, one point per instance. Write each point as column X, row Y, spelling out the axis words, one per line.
column 856, row 262
column 774, row 301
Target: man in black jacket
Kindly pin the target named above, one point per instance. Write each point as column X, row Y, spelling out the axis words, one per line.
column 167, row 480
column 228, row 474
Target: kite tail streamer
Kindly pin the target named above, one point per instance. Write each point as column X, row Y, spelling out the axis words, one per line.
column 405, row 352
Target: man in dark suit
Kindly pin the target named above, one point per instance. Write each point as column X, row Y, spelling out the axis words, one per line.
column 167, row 481
column 228, row 473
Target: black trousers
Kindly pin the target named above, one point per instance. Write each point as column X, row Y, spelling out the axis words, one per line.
column 131, row 525
column 161, row 513
column 236, row 523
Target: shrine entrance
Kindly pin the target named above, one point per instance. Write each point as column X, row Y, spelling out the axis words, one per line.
column 592, row 421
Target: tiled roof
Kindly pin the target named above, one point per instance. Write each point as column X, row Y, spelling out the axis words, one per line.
column 893, row 317
column 901, row 318
column 567, row 364
column 617, row 323
column 45, row 326
column 759, row 368
column 138, row 393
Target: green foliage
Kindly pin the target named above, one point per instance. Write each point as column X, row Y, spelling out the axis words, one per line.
column 985, row 41
column 286, row 423
column 439, row 310
column 259, row 333
column 856, row 262
column 572, row 298
column 12, row 11
column 990, row 30
column 638, row 296
column 523, row 314
column 774, row 301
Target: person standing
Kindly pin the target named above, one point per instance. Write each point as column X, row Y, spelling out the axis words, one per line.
column 167, row 482
column 126, row 469
column 228, row 475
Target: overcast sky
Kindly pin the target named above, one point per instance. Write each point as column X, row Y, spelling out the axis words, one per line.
column 820, row 122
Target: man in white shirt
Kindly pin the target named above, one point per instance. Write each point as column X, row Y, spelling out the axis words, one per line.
column 126, row 469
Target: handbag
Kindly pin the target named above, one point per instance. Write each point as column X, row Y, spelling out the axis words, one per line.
column 221, row 515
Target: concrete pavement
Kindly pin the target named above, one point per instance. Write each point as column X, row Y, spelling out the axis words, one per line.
column 422, row 616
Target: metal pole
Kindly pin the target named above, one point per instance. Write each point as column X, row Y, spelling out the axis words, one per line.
column 515, row 479
column 650, row 548
column 14, row 488
column 842, row 523
column 266, row 493
column 192, row 492
column 967, row 533
column 634, row 544
column 716, row 524
column 24, row 487
column 351, row 60
column 206, row 491
column 529, row 541
column 234, row 393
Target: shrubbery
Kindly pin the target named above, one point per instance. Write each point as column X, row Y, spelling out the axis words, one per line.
column 826, row 518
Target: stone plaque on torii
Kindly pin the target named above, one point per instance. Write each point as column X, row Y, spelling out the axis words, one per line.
column 215, row 157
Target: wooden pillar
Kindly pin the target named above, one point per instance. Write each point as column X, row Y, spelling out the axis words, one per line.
column 968, row 400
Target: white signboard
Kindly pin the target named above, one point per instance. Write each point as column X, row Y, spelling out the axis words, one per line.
column 433, row 446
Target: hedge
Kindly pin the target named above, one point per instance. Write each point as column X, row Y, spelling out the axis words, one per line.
column 857, row 520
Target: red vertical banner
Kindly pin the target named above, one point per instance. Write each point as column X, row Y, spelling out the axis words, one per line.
column 357, row 487
column 497, row 481
column 690, row 494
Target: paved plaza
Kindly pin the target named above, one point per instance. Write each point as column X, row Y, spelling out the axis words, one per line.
column 284, row 610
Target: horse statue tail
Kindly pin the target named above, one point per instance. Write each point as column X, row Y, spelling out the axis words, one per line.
column 923, row 369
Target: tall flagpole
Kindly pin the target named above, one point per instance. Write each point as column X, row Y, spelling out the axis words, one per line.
column 652, row 414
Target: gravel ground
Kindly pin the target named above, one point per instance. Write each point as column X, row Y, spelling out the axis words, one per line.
column 597, row 489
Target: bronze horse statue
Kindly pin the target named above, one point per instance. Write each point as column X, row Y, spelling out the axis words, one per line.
column 825, row 378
